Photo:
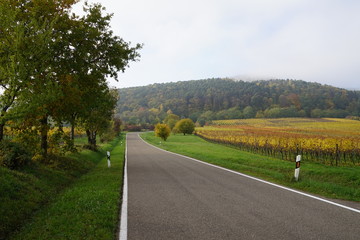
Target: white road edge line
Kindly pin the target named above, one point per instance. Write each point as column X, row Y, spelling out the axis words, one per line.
column 124, row 205
column 257, row 179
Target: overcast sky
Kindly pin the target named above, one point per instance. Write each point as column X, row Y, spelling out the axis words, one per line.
column 315, row 41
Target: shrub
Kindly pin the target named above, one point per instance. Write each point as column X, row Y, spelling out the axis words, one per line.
column 162, row 131
column 60, row 142
column 171, row 120
column 185, row 126
column 108, row 136
column 13, row 155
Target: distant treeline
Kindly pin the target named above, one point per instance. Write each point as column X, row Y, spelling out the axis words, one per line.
column 211, row 99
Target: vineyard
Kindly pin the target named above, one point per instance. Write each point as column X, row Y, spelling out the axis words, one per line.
column 328, row 141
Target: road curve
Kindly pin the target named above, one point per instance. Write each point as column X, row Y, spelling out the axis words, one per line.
column 172, row 197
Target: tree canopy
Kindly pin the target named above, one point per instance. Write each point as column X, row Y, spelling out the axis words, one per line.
column 162, row 130
column 171, row 119
column 54, row 65
column 211, row 99
column 185, row 126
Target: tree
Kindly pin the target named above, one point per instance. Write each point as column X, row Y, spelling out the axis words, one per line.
column 225, row 98
column 249, row 112
column 162, row 131
column 8, row 82
column 117, row 124
column 97, row 53
column 54, row 65
column 185, row 126
column 30, row 80
column 171, row 119
column 25, row 55
column 99, row 113
column 201, row 122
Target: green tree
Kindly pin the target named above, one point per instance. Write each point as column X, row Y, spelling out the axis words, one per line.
column 8, row 82
column 117, row 124
column 53, row 64
column 185, row 126
column 201, row 122
column 162, row 130
column 259, row 114
column 25, row 56
column 30, row 74
column 273, row 112
column 97, row 54
column 208, row 115
column 99, row 113
column 317, row 113
column 171, row 119
column 224, row 98
column 249, row 112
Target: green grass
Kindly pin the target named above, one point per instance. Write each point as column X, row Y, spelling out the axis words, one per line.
column 88, row 209
column 24, row 192
column 83, row 140
column 80, row 141
column 328, row 181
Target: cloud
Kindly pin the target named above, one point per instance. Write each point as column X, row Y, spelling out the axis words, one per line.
column 319, row 44
column 302, row 39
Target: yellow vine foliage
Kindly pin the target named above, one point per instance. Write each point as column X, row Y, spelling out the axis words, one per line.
column 329, row 141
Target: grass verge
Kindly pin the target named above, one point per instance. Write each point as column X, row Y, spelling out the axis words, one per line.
column 329, row 181
column 88, row 209
column 24, row 192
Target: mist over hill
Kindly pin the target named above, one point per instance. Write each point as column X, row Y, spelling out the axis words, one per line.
column 210, row 99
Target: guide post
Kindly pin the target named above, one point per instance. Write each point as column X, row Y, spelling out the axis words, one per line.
column 297, row 167
column 108, row 159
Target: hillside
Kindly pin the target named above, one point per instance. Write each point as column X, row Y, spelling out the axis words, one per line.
column 210, row 99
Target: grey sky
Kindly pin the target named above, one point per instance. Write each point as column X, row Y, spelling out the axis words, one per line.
column 317, row 41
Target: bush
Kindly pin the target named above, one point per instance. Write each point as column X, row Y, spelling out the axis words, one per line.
column 108, row 136
column 60, row 142
column 13, row 155
column 162, row 131
column 185, row 126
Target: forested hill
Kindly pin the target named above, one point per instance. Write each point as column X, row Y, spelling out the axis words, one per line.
column 210, row 99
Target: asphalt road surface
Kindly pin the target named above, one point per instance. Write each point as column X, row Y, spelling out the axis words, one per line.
column 173, row 197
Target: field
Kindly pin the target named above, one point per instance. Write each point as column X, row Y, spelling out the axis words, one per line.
column 328, row 141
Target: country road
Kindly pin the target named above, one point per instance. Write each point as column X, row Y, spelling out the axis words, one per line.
column 173, row 197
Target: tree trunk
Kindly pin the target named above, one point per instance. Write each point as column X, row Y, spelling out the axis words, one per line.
column 2, row 125
column 94, row 138
column 88, row 134
column 91, row 135
column 44, row 136
column 72, row 137
column 61, row 127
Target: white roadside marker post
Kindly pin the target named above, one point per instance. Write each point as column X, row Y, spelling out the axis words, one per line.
column 297, row 167
column 108, row 159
